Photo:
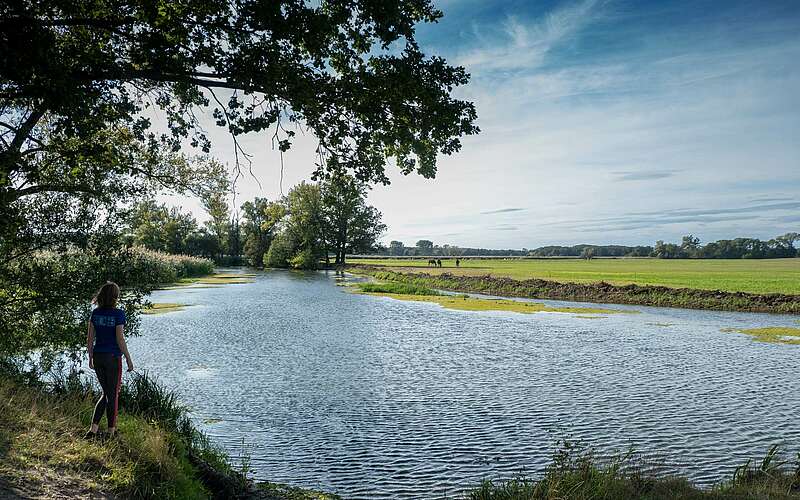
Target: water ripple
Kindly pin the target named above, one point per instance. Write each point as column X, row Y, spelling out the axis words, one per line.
column 371, row 397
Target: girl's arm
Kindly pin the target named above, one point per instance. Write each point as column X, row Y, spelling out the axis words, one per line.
column 124, row 347
column 90, row 344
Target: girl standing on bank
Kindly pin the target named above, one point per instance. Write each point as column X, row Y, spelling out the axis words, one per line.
column 106, row 345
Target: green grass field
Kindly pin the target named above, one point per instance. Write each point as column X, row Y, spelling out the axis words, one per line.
column 754, row 276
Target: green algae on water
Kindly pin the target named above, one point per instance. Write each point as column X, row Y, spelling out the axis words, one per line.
column 396, row 288
column 214, row 280
column 163, row 307
column 772, row 334
column 466, row 303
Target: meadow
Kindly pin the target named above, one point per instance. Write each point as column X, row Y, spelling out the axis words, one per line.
column 745, row 275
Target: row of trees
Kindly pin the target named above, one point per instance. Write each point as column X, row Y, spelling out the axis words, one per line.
column 313, row 222
column 427, row 248
column 738, row 248
column 690, row 248
column 588, row 251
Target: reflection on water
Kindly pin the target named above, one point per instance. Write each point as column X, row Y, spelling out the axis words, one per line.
column 372, row 397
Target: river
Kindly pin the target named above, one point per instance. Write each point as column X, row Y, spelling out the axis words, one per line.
column 371, row 397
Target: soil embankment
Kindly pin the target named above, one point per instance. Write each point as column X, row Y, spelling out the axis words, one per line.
column 602, row 292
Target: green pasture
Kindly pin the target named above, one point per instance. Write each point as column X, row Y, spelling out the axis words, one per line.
column 745, row 275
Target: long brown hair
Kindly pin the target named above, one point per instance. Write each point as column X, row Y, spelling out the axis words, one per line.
column 107, row 296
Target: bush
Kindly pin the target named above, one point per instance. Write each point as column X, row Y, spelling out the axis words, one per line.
column 304, row 259
column 575, row 474
column 279, row 252
column 47, row 295
column 168, row 268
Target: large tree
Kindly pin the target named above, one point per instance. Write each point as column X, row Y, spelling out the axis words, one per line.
column 351, row 226
column 396, row 248
column 304, row 227
column 159, row 227
column 352, row 72
column 215, row 202
column 260, row 218
column 81, row 81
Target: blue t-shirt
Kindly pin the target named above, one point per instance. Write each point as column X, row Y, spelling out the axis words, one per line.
column 105, row 321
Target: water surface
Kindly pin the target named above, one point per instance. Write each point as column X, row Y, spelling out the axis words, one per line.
column 371, row 397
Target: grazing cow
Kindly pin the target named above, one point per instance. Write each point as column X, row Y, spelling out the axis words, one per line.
column 438, row 262
column 432, row 262
column 458, row 262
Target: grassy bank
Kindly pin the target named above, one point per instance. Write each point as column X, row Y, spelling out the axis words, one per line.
column 740, row 275
column 157, row 453
column 578, row 476
column 417, row 293
column 660, row 296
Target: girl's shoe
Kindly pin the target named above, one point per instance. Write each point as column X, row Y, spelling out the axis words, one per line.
column 90, row 435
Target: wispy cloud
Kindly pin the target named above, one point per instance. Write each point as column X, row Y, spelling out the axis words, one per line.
column 652, row 219
column 502, row 211
column 643, row 175
column 525, row 46
column 768, row 199
column 788, row 218
column 636, row 121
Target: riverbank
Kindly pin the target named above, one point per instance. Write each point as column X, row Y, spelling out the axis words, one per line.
column 159, row 455
column 156, row 454
column 759, row 276
column 648, row 295
column 574, row 474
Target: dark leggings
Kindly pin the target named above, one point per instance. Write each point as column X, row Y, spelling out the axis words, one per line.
column 109, row 372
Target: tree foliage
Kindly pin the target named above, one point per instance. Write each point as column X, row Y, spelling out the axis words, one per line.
column 351, row 226
column 215, row 202
column 80, row 81
column 259, row 220
column 314, row 220
column 737, row 248
column 158, row 227
column 352, row 72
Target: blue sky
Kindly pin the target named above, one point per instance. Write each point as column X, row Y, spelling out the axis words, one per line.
column 603, row 121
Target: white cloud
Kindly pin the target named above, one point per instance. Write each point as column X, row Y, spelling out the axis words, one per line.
column 525, row 46
column 705, row 127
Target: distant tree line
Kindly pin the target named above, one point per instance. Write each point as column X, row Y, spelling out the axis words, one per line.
column 738, row 248
column 592, row 251
column 689, row 248
column 427, row 248
column 312, row 223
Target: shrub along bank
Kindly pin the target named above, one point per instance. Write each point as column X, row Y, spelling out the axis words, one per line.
column 157, row 452
column 574, row 474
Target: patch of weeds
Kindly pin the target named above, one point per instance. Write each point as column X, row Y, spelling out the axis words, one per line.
column 163, row 307
column 467, row 303
column 770, row 334
column 396, row 288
